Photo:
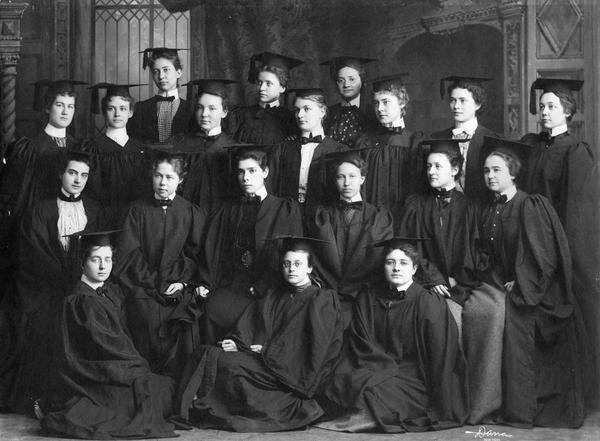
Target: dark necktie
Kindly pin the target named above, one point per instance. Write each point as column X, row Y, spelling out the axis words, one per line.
column 349, row 208
column 398, row 129
column 102, row 291
column 443, row 196
column 394, row 294
column 165, row 98
column 251, row 200
column 500, row 199
column 163, row 202
column 69, row 198
column 305, row 140
column 547, row 138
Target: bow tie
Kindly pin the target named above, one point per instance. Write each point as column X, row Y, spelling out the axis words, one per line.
column 165, row 98
column 462, row 136
column 344, row 205
column 393, row 294
column 500, row 199
column 163, row 202
column 69, row 198
column 398, row 129
column 547, row 137
column 305, row 140
column 442, row 193
column 102, row 291
column 251, row 200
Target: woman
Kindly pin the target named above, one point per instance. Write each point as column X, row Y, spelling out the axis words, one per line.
column 525, row 258
column 349, row 226
column 237, row 254
column 269, row 121
column 107, row 387
column 393, row 150
column 158, row 258
column 347, row 120
column 297, row 171
column 401, row 369
column 265, row 375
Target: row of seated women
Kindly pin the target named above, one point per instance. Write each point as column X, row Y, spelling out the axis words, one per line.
column 189, row 270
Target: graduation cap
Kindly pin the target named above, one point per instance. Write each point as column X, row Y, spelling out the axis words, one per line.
column 213, row 86
column 516, row 149
column 386, row 82
column 546, row 85
column 446, row 146
column 270, row 59
column 457, row 81
column 45, row 88
column 288, row 242
column 159, row 52
column 337, row 63
column 111, row 90
column 86, row 239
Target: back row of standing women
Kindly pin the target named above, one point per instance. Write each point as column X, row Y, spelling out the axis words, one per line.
column 172, row 254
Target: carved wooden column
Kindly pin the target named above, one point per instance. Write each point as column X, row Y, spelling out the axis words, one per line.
column 10, row 46
column 516, row 94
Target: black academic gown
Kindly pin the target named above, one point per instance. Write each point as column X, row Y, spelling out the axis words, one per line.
column 523, row 241
column 109, row 389
column 120, row 175
column 452, row 229
column 346, row 123
column 143, row 125
column 239, row 257
column 256, row 125
column 393, row 166
column 349, row 259
column 301, row 336
column 45, row 275
column 285, row 172
column 157, row 248
column 474, row 183
column 402, row 362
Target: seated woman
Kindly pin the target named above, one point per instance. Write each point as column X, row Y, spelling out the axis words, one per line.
column 350, row 226
column 275, row 361
column 401, row 369
column 393, row 156
column 237, row 253
column 347, row 120
column 158, row 257
column 108, row 388
column 269, row 121
column 527, row 264
column 119, row 161
column 296, row 169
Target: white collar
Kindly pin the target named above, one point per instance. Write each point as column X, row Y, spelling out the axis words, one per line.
column 317, row 132
column 402, row 287
column 174, row 92
column 448, row 188
column 468, row 126
column 55, row 132
column 271, row 104
column 67, row 194
column 171, row 197
column 215, row 131
column 398, row 123
column 262, row 192
column 510, row 193
column 352, row 102
column 356, row 198
column 119, row 136
column 88, row 282
column 559, row 130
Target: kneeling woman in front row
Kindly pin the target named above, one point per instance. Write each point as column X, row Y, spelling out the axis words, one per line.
column 402, row 369
column 265, row 376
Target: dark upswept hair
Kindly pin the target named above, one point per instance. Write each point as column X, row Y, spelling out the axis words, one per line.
column 398, row 90
column 168, row 54
column 84, row 253
column 455, row 158
column 478, row 92
column 282, row 74
column 567, row 101
column 298, row 249
column 178, row 163
column 354, row 159
column 319, row 99
column 362, row 72
column 258, row 155
column 74, row 155
column 224, row 99
column 52, row 93
column 409, row 249
column 106, row 99
column 512, row 162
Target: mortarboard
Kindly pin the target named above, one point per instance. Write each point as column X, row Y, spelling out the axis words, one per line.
column 111, row 90
column 296, row 243
column 388, row 81
column 270, row 59
column 442, row 145
column 551, row 85
column 335, row 64
column 458, row 80
column 211, row 86
column 513, row 148
column 48, row 87
column 158, row 52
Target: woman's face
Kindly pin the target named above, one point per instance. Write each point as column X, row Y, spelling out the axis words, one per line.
column 165, row 180
column 552, row 112
column 348, row 83
column 268, row 86
column 497, row 175
column 463, row 105
column 75, row 177
column 387, row 107
column 98, row 265
column 296, row 268
column 165, row 75
column 118, row 112
column 309, row 115
column 439, row 171
column 399, row 268
column 210, row 111
column 251, row 176
column 60, row 113
column 348, row 180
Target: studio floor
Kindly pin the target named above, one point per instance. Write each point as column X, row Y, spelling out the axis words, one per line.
column 21, row 428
